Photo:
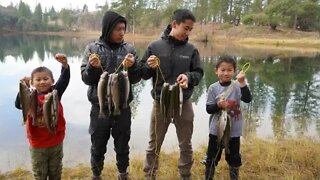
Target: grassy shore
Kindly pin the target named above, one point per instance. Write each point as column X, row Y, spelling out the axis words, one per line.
column 262, row 159
column 244, row 37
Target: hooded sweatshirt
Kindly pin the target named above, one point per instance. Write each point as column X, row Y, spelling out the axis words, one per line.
column 111, row 55
column 109, row 21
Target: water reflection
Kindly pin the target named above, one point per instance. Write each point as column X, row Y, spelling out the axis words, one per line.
column 285, row 97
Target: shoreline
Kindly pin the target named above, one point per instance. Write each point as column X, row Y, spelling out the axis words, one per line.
column 280, row 161
column 305, row 44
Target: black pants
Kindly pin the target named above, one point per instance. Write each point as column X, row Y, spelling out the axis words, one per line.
column 101, row 129
column 214, row 152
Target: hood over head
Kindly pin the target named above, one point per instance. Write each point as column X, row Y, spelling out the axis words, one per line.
column 109, row 21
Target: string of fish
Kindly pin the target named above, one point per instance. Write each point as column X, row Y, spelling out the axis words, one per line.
column 164, row 110
column 158, row 69
column 112, row 80
column 244, row 69
column 29, row 105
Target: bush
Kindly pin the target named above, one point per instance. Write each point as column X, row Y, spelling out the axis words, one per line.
column 260, row 19
column 226, row 26
column 248, row 19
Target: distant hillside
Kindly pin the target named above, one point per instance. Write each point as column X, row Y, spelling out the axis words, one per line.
column 227, row 31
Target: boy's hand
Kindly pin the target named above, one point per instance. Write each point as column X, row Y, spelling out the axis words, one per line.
column 241, row 77
column 182, row 80
column 128, row 61
column 153, row 61
column 62, row 59
column 94, row 60
column 222, row 103
column 27, row 80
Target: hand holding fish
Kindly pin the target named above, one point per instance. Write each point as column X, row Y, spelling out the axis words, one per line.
column 182, row 80
column 153, row 61
column 94, row 61
column 128, row 61
column 241, row 77
column 27, row 80
column 62, row 59
column 222, row 103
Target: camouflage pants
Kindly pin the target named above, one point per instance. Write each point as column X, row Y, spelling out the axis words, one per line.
column 47, row 162
column 158, row 130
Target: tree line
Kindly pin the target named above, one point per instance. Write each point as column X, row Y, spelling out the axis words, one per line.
column 141, row 14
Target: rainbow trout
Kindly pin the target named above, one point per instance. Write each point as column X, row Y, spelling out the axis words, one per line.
column 24, row 93
column 102, row 94
column 171, row 100
column 51, row 110
column 224, row 129
column 124, row 86
column 115, row 95
column 33, row 106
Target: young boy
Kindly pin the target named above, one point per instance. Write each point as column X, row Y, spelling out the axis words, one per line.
column 180, row 63
column 226, row 94
column 46, row 147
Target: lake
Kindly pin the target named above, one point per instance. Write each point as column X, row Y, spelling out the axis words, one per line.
column 285, row 85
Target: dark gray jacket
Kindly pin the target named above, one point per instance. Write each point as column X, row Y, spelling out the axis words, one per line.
column 110, row 60
column 176, row 57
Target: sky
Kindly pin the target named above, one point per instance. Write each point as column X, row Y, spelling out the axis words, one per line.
column 57, row 4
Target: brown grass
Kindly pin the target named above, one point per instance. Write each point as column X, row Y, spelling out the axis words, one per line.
column 262, row 159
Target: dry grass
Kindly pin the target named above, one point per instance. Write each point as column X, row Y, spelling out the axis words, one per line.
column 280, row 43
column 262, row 159
column 257, row 37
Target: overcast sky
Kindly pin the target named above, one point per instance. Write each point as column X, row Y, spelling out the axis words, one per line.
column 57, row 4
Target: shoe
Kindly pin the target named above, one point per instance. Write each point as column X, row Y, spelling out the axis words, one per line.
column 96, row 178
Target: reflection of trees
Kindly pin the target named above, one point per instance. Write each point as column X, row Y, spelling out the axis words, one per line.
column 7, row 44
column 136, row 88
column 260, row 93
column 290, row 86
column 277, row 74
column 1, row 54
column 305, row 95
column 199, row 89
column 209, row 70
column 27, row 45
column 288, row 76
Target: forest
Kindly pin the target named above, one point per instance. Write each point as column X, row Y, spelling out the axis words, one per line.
column 301, row 15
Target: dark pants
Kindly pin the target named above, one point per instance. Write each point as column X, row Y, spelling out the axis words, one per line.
column 214, row 152
column 100, row 130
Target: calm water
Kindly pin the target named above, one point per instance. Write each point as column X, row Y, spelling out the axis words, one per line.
column 285, row 87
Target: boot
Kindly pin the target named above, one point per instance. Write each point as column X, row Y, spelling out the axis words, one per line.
column 185, row 178
column 209, row 173
column 150, row 176
column 123, row 176
column 96, row 178
column 234, row 173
